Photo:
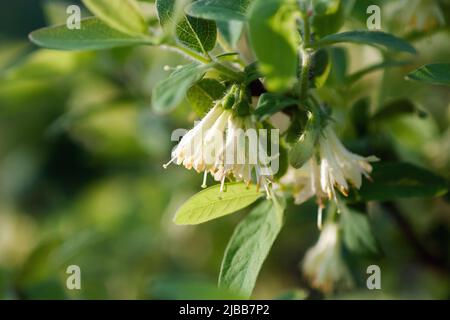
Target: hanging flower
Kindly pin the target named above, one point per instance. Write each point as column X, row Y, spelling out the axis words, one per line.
column 333, row 167
column 225, row 146
column 323, row 264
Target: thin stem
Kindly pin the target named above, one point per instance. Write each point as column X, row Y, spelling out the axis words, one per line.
column 306, row 55
column 304, row 74
column 225, row 70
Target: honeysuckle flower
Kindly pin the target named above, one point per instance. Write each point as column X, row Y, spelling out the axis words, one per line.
column 323, row 264
column 225, row 146
column 332, row 167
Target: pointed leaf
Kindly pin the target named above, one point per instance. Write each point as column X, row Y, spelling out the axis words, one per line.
column 211, row 204
column 249, row 246
column 372, row 38
column 93, row 35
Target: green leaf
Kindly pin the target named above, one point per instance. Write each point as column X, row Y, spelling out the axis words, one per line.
column 93, row 35
column 357, row 233
column 372, row 38
column 401, row 180
column 223, row 10
column 122, row 15
column 202, row 95
column 197, row 34
column 272, row 27
column 271, row 103
column 211, row 204
column 170, row 92
column 249, row 247
column 438, row 73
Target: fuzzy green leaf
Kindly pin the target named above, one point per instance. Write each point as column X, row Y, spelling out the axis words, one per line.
column 211, row 204
column 197, row 34
column 122, row 15
column 249, row 247
column 93, row 35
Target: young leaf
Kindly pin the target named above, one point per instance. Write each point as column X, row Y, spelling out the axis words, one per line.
column 93, row 35
column 372, row 38
column 202, row 95
column 211, row 204
column 122, row 15
column 223, row 10
column 401, row 180
column 272, row 27
column 357, row 233
column 438, row 73
column 271, row 103
column 249, row 247
column 170, row 92
column 197, row 34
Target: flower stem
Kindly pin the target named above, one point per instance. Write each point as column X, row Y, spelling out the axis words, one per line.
column 306, row 55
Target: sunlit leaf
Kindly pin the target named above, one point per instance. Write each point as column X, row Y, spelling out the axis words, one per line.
column 271, row 26
column 211, row 204
column 122, row 15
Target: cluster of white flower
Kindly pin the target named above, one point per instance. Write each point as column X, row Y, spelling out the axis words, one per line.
column 333, row 167
column 225, row 146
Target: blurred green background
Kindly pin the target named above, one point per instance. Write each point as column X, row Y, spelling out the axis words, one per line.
column 81, row 177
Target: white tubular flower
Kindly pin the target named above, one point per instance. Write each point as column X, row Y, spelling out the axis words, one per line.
column 323, row 265
column 223, row 145
column 333, row 167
